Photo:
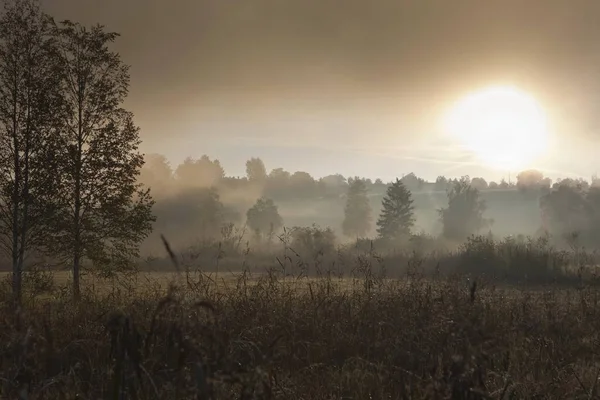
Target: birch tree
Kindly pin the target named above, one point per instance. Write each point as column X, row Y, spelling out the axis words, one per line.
column 28, row 103
column 104, row 213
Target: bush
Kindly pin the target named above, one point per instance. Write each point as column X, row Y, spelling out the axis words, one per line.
column 313, row 242
column 521, row 259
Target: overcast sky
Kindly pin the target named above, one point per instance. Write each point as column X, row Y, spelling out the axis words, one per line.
column 348, row 86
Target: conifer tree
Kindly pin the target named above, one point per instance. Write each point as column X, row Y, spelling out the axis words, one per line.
column 397, row 215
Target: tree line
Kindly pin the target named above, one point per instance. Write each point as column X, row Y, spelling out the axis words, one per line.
column 462, row 216
column 69, row 159
column 570, row 212
column 280, row 184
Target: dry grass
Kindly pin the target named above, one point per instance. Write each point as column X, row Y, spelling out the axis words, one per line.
column 360, row 335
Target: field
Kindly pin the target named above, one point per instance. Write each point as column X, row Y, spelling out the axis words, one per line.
column 248, row 335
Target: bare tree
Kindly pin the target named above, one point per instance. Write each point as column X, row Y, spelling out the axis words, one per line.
column 104, row 213
column 28, row 104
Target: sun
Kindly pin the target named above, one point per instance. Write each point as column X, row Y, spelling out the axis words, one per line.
column 502, row 126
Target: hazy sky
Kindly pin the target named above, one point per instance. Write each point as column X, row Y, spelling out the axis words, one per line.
column 348, row 86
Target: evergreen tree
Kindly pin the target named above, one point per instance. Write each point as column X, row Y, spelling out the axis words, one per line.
column 397, row 215
column 357, row 213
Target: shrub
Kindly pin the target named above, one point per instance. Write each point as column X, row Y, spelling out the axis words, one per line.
column 312, row 242
column 529, row 259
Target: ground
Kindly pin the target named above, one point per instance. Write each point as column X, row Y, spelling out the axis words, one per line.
column 268, row 336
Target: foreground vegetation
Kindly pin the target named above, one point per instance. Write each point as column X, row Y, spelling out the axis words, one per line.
column 324, row 335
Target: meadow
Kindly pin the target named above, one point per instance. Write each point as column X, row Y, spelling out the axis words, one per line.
column 354, row 333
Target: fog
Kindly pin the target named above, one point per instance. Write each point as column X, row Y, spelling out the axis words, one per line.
column 196, row 200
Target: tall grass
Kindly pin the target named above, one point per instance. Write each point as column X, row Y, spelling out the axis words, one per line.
column 313, row 330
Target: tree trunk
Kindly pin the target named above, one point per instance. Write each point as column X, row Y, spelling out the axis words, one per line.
column 24, row 197
column 77, row 212
column 17, row 267
column 77, row 231
column 76, row 264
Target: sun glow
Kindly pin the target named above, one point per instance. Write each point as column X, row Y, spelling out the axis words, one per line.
column 502, row 126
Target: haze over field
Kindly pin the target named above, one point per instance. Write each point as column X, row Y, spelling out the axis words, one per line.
column 352, row 87
column 264, row 115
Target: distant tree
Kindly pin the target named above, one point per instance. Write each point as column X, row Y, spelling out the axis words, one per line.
column 578, row 183
column 593, row 220
column 532, row 180
column 503, row 184
column 335, row 180
column 303, row 184
column 332, row 185
column 301, row 178
column 156, row 173
column 595, row 181
column 196, row 213
column 29, row 104
column 199, row 173
column 412, row 182
column 567, row 209
column 492, row 185
column 441, row 183
column 104, row 213
column 397, row 215
column 572, row 211
column 278, row 184
column 256, row 171
column 279, row 174
column 263, row 218
column 479, row 183
column 546, row 184
column 464, row 214
column 357, row 213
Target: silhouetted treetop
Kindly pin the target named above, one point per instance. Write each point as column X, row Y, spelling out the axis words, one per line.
column 263, row 218
column 256, row 171
column 199, row 173
column 464, row 214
